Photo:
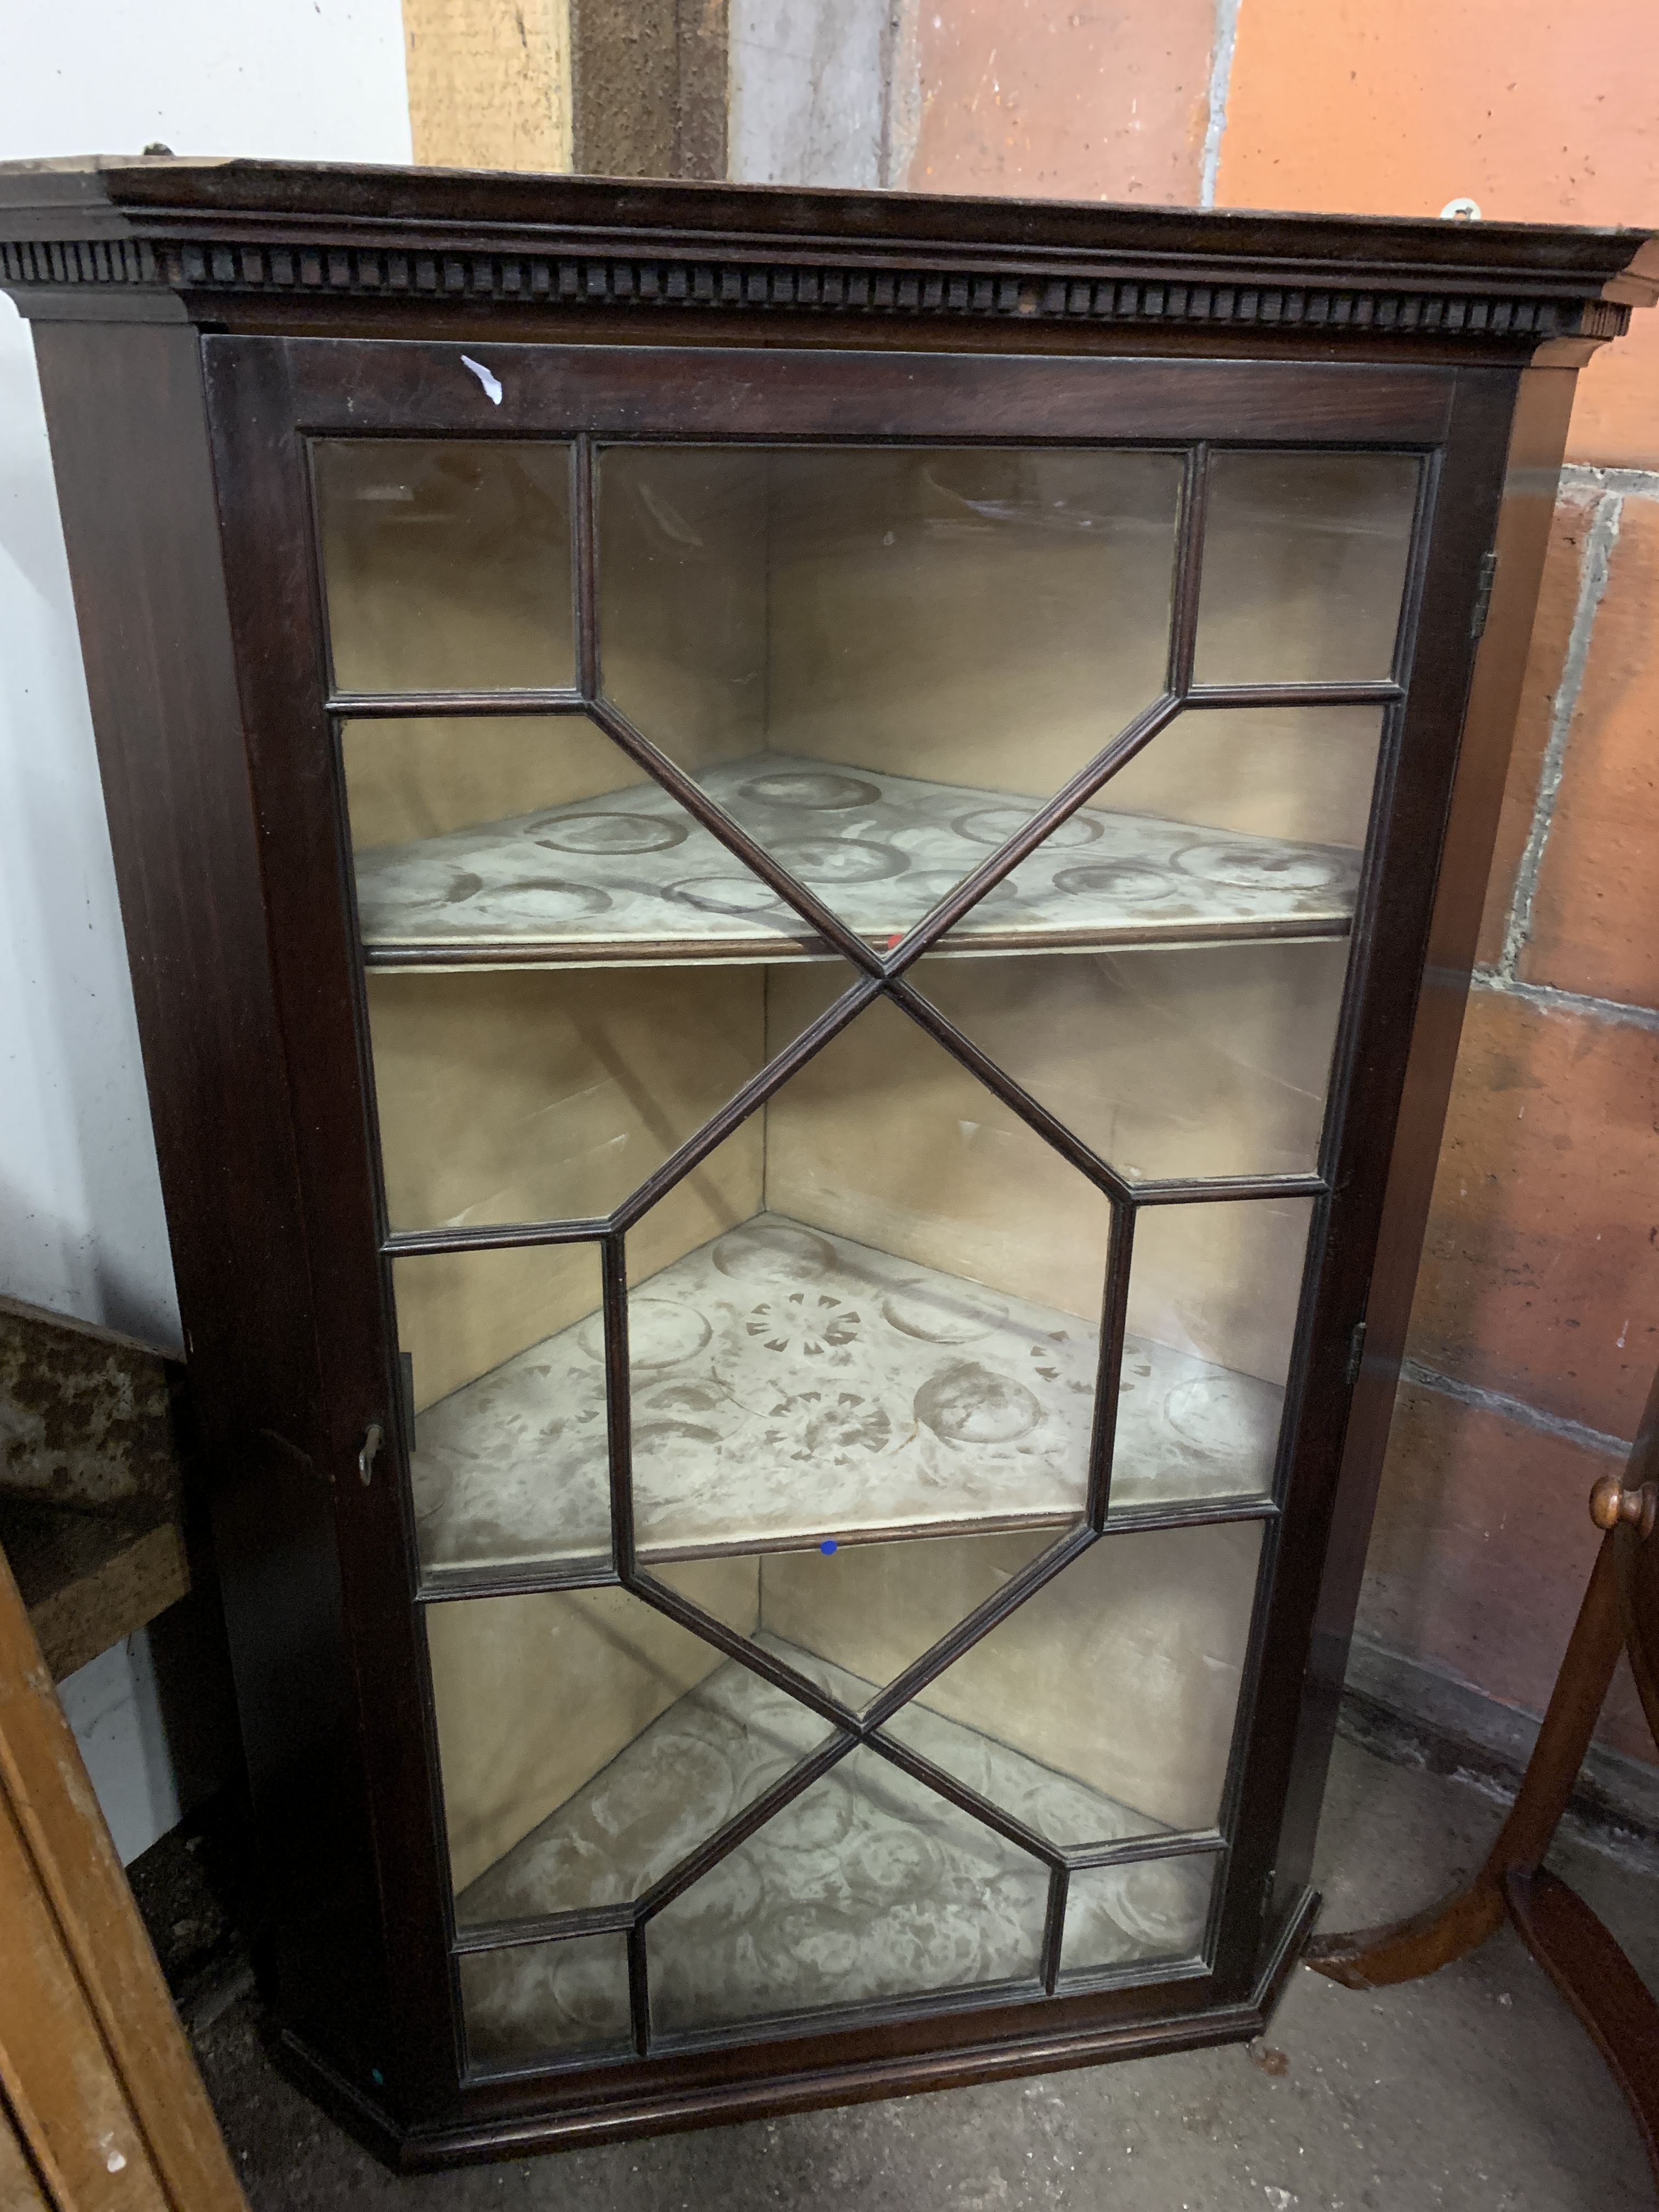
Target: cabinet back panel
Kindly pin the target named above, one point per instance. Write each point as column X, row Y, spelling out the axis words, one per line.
column 447, row 563
column 423, row 778
column 984, row 617
column 1205, row 1060
column 1304, row 566
column 536, row 1096
column 1301, row 773
column 885, row 1137
column 682, row 601
column 461, row 1313
column 1222, row 1281
column 1122, row 1673
column 536, row 1694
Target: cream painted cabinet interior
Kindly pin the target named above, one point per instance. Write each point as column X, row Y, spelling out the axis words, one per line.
column 891, row 1360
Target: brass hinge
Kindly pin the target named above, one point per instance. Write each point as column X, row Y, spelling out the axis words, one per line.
column 1483, row 593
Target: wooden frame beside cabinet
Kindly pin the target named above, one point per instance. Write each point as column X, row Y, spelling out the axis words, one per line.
column 800, row 869
column 101, row 2104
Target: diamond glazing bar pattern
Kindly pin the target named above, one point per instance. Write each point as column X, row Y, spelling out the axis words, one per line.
column 879, row 975
column 635, row 1916
column 883, row 974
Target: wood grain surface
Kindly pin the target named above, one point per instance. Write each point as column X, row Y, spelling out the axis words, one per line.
column 105, row 2104
column 488, row 83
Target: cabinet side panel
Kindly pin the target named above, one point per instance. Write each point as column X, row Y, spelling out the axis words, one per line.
column 1538, row 438
column 129, row 439
column 272, row 587
column 1415, row 794
column 1410, row 1016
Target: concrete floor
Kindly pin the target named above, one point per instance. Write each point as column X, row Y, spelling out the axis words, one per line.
column 1475, row 2089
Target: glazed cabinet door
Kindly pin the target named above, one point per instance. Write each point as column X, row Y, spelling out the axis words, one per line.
column 849, row 922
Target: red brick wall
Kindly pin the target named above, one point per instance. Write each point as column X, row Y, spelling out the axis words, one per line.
column 1536, row 1323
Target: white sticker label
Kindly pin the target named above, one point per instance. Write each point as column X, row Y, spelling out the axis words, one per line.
column 491, row 384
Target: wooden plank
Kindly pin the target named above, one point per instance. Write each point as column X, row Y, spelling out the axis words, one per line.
column 21, row 2187
column 92, row 1481
column 649, row 81
column 489, row 82
column 103, row 1580
column 58, row 2074
column 94, row 1419
column 97, row 2078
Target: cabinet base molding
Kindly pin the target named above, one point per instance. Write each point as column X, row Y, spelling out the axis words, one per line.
column 814, row 2087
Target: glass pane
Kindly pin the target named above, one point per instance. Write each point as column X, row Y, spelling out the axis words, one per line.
column 540, row 836
column 1213, row 1291
column 1246, row 822
column 851, row 1617
column 504, row 1372
column 1303, row 774
column 588, row 1742
column 866, row 1885
column 1118, row 1915
column 881, row 1315
column 1305, row 567
column 546, row 2000
column 1103, row 1706
column 1202, row 1060
column 880, row 662
column 551, row 1095
column 447, row 566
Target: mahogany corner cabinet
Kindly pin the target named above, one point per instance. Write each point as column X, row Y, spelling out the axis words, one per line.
column 801, row 870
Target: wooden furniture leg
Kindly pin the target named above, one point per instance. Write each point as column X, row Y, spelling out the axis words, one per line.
column 1370, row 1958
column 1600, row 1984
column 1620, row 1611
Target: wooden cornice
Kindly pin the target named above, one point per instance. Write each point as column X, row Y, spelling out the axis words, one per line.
column 181, row 241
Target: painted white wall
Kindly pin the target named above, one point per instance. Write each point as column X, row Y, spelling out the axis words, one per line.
column 115, row 1710
column 81, row 1228
column 807, row 86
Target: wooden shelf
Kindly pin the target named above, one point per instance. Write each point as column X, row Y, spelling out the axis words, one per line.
column 630, row 877
column 902, row 1880
column 90, row 1579
column 791, row 1387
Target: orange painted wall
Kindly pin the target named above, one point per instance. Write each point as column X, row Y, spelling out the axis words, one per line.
column 1544, row 111
column 1537, row 1325
column 1027, row 97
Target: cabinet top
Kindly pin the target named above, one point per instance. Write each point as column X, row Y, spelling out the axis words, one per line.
column 281, row 245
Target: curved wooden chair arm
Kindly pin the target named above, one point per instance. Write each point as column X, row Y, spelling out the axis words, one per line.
column 1620, row 1612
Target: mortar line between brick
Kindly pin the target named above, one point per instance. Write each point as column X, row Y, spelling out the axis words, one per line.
column 1513, row 1409
column 1592, row 585
column 1591, row 477
column 901, row 94
column 1221, row 75
column 1550, row 1000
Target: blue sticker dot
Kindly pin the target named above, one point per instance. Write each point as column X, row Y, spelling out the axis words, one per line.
column 377, row 2077
column 828, row 1545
